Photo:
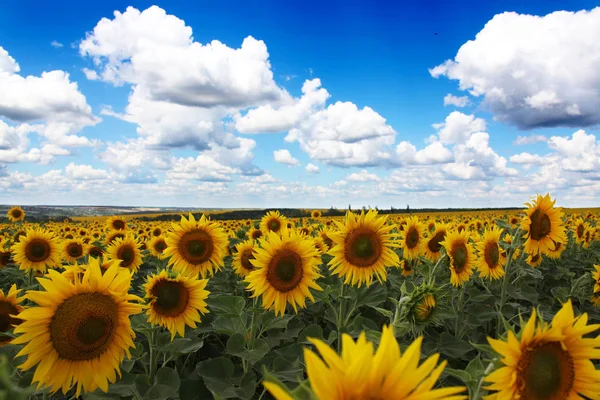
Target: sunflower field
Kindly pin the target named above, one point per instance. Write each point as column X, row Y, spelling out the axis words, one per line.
column 485, row 305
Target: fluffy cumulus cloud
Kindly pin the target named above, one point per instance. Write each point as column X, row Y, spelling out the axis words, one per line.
column 531, row 139
column 283, row 156
column 312, row 168
column 522, row 66
column 451, row 100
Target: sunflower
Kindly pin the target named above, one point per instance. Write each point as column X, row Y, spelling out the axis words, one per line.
column 406, row 268
column 316, row 214
column 320, row 245
column 534, row 260
column 175, row 301
column 362, row 248
column 462, row 257
column 15, row 214
column 273, row 222
column 548, row 361
column 95, row 251
column 543, row 225
column 433, row 247
column 156, row 232
column 286, row 268
column 157, row 246
column 412, row 239
column 596, row 276
column 112, row 236
column 196, row 246
column 241, row 259
column 489, row 262
column 556, row 251
column 5, row 257
column 73, row 250
column 116, row 223
column 9, row 305
column 324, row 234
column 127, row 251
column 362, row 373
column 78, row 333
column 580, row 227
column 37, row 250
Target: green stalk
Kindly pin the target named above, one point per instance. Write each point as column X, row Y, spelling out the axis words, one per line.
column 435, row 267
column 485, row 373
column 507, row 270
column 459, row 311
column 340, row 318
column 153, row 359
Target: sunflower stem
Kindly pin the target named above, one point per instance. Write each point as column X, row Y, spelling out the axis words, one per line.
column 461, row 296
column 340, row 318
column 153, row 360
column 30, row 280
column 435, row 267
column 507, row 270
column 480, row 384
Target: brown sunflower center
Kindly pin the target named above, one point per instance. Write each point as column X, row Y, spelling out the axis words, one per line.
column 245, row 258
column 412, row 238
column 95, row 252
column 256, row 234
column 16, row 213
column 459, row 256
column 540, row 225
column 172, row 298
column 126, row 254
column 75, row 250
column 196, row 246
column 580, row 231
column 284, row 271
column 491, row 254
column 83, row 326
column 4, row 258
column 7, row 309
column 327, row 240
column 363, row 247
column 160, row 246
column 274, row 225
column 514, row 220
column 535, row 258
column 118, row 225
column 547, row 373
column 434, row 243
column 37, row 250
column 156, row 232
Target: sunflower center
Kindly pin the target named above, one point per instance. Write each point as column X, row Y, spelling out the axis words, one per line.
column 363, row 247
column 4, row 258
column 156, row 232
column 274, row 225
column 412, row 238
column 127, row 255
column 196, row 246
column 491, row 254
column 171, row 298
column 580, row 231
column 256, row 234
column 285, row 270
column 95, row 252
column 16, row 213
column 245, row 258
column 83, row 326
column 540, row 225
column 118, row 225
column 459, row 256
column 75, row 250
column 7, row 309
column 434, row 243
column 160, row 246
column 548, row 372
column 37, row 250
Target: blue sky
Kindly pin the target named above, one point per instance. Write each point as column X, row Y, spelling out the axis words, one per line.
column 428, row 103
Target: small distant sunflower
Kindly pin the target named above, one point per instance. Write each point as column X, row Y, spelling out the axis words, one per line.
column 534, row 260
column 548, row 361
column 316, row 214
column 556, row 251
column 127, row 251
column 412, row 239
column 9, row 305
column 433, row 247
column 273, row 222
column 543, row 225
column 73, row 250
column 286, row 268
column 157, row 231
column 37, row 250
column 112, row 236
column 596, row 276
column 241, row 260
column 78, row 333
column 95, row 251
column 5, row 257
column 462, row 256
column 175, row 301
column 320, row 245
column 406, row 268
column 580, row 227
column 360, row 372
column 362, row 249
column 157, row 246
column 324, row 234
column 514, row 221
column 489, row 262
column 15, row 214
column 116, row 223
column 196, row 246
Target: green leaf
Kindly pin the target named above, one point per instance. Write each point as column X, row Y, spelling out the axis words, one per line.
column 226, row 305
column 475, row 368
column 460, row 374
column 452, row 346
column 184, row 345
column 311, row 331
column 228, row 326
column 217, row 374
column 236, row 344
column 167, row 382
column 383, row 311
column 268, row 320
column 193, row 389
column 373, row 295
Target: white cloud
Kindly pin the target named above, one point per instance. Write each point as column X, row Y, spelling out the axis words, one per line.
column 458, row 127
column 90, row 74
column 528, row 158
column 312, row 168
column 523, row 67
column 283, row 156
column 56, row 44
column 531, row 139
column 362, row 176
column 434, row 153
column 451, row 100
column 8, row 65
column 580, row 153
column 85, row 172
column 202, row 168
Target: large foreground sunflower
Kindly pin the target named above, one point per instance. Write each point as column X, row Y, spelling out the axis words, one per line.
column 548, row 361
column 37, row 250
column 489, row 262
column 196, row 246
column 15, row 214
column 462, row 256
column 286, row 268
column 127, row 251
column 175, row 301
column 362, row 248
column 9, row 307
column 543, row 225
column 362, row 373
column 78, row 333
